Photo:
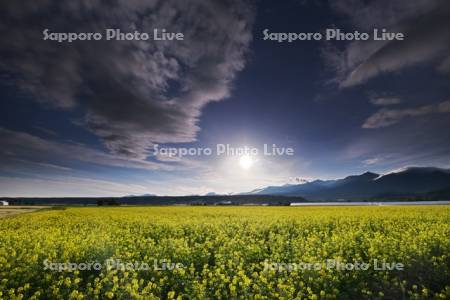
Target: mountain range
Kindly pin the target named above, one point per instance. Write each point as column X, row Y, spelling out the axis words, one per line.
column 419, row 182
column 411, row 184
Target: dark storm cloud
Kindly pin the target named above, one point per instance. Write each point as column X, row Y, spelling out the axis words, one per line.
column 425, row 23
column 133, row 93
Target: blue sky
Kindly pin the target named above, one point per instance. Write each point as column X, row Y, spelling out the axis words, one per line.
column 82, row 118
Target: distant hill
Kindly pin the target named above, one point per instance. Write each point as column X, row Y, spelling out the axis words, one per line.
column 412, row 182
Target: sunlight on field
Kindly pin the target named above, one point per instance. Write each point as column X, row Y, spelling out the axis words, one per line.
column 226, row 253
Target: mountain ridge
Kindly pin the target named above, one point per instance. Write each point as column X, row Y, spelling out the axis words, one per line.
column 411, row 181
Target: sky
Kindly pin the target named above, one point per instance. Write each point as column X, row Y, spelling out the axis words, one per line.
column 84, row 118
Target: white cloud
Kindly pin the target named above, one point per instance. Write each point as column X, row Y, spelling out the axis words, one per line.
column 382, row 101
column 372, row 161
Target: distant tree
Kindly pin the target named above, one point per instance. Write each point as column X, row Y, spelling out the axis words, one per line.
column 113, row 202
column 109, row 202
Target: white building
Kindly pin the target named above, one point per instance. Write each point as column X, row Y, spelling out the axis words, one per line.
column 4, row 203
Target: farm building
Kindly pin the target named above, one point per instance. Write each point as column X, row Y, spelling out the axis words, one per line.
column 4, row 203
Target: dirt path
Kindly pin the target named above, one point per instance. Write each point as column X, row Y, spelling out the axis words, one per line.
column 6, row 211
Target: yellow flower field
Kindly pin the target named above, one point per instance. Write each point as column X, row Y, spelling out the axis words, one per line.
column 227, row 253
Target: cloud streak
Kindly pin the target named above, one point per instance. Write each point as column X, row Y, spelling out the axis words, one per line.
column 388, row 117
column 66, row 186
column 384, row 101
column 426, row 25
column 18, row 145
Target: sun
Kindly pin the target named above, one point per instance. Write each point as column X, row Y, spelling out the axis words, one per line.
column 246, row 162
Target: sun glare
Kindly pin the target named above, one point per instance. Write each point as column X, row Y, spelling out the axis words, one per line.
column 246, row 162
